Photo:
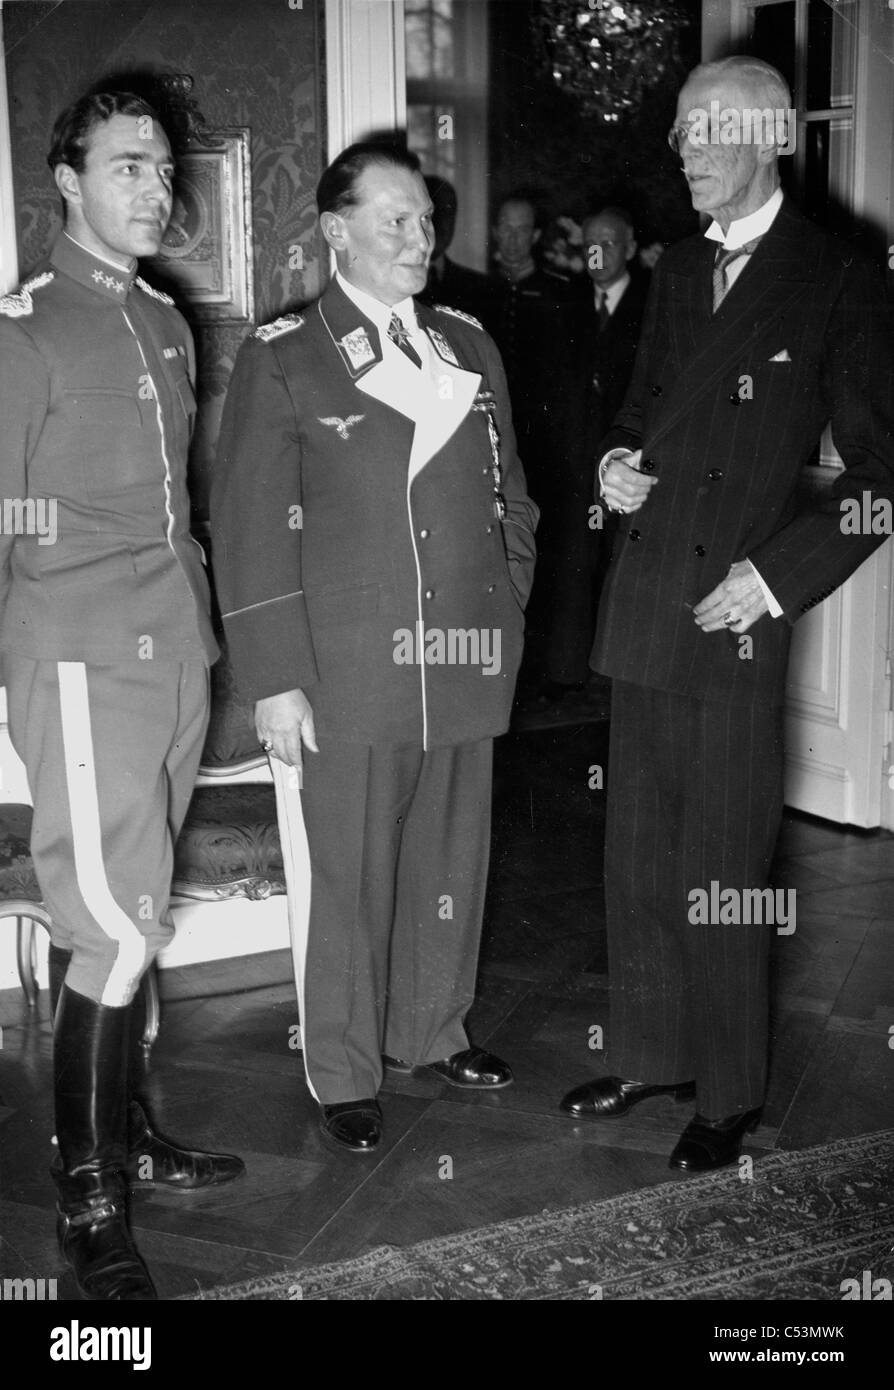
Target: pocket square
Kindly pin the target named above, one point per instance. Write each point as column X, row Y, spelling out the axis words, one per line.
column 782, row 356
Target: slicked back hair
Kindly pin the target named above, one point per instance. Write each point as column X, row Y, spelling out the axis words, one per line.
column 75, row 125
column 761, row 83
column 337, row 189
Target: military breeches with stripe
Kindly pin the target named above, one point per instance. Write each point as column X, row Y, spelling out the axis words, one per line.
column 399, row 843
column 111, row 754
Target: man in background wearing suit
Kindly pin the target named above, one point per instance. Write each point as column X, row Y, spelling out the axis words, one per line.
column 609, row 318
column 756, row 335
column 106, row 641
column 374, row 552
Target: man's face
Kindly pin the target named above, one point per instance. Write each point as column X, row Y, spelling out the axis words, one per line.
column 608, row 246
column 383, row 243
column 120, row 204
column 515, row 233
column 728, row 181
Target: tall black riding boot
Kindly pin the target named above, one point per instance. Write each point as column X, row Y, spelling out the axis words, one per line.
column 58, row 962
column 90, row 1066
column 152, row 1160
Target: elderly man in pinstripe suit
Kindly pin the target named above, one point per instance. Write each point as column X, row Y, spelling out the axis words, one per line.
column 757, row 334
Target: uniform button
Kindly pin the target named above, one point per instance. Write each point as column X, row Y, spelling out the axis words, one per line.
column 700, row 550
column 735, row 398
column 491, row 588
column 715, row 474
column 490, row 530
column 633, row 535
column 656, row 390
column 648, row 465
column 424, row 534
column 429, row 593
column 485, row 470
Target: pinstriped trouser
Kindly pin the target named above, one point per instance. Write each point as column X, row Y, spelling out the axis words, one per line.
column 694, row 795
column 111, row 754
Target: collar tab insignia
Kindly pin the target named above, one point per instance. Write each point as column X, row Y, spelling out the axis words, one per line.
column 358, row 348
column 443, row 347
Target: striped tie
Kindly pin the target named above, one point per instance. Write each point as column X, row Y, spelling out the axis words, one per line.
column 722, row 260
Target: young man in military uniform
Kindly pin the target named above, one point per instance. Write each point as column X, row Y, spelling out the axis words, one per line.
column 368, row 510
column 106, row 644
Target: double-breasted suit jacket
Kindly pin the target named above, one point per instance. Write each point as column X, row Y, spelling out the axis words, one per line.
column 353, row 502
column 727, row 409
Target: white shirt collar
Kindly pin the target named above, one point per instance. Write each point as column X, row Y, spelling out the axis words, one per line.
column 374, row 309
column 614, row 292
column 747, row 228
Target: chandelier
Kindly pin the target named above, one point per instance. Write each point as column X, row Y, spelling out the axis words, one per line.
column 608, row 53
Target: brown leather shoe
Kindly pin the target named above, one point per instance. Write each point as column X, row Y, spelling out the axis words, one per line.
column 610, row 1096
column 355, row 1125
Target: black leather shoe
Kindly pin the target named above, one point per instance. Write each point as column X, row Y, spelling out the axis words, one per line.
column 706, row 1144
column 154, row 1162
column 355, row 1125
column 474, row 1070
column 397, row 1064
column 610, row 1096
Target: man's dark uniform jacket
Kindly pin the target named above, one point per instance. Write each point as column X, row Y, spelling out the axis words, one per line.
column 599, row 376
column 458, row 287
column 727, row 408
column 396, row 526
column 532, row 321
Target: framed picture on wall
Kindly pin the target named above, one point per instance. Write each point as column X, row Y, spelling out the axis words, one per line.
column 207, row 248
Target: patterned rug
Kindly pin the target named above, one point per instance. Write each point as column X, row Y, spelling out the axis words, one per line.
column 802, row 1225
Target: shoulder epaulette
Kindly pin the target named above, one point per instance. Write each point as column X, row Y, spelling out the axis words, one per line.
column 148, row 289
column 20, row 305
column 286, row 324
column 458, row 314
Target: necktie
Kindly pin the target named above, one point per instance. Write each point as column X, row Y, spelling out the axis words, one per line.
column 721, row 261
column 602, row 314
column 400, row 337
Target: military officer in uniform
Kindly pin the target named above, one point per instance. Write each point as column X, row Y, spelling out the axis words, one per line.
column 531, row 314
column 450, row 284
column 373, row 552
column 106, row 644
